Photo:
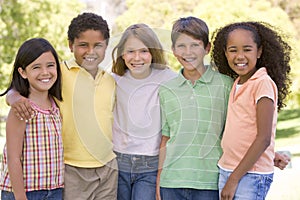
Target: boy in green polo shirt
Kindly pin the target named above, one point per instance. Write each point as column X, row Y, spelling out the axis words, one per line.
column 194, row 107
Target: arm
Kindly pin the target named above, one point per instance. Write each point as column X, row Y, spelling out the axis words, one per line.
column 15, row 129
column 162, row 157
column 281, row 160
column 265, row 110
column 19, row 104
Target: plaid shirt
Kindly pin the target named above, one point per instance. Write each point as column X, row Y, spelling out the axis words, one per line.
column 42, row 160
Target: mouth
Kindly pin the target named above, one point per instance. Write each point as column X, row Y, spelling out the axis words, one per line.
column 137, row 65
column 90, row 59
column 241, row 64
column 188, row 59
column 45, row 80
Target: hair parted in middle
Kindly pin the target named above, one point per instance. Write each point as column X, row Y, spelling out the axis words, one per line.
column 149, row 38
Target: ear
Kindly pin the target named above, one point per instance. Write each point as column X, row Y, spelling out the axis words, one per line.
column 207, row 48
column 22, row 72
column 70, row 45
column 259, row 52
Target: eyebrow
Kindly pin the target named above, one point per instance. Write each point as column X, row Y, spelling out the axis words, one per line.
column 229, row 47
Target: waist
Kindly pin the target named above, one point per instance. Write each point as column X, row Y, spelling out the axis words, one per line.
column 137, row 163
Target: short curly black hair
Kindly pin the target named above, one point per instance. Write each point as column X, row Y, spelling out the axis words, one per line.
column 88, row 21
column 275, row 55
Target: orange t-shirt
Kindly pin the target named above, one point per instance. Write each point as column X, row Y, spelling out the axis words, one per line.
column 241, row 126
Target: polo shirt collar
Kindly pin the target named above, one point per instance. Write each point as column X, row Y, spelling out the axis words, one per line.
column 205, row 78
column 259, row 73
column 71, row 64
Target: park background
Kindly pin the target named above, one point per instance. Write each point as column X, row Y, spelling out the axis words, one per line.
column 23, row 19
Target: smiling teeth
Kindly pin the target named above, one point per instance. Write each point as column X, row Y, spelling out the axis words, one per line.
column 241, row 65
column 188, row 59
column 45, row 80
column 90, row 59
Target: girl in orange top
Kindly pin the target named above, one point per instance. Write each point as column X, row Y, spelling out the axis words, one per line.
column 257, row 57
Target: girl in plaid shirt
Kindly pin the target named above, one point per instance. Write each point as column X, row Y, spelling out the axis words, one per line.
column 32, row 166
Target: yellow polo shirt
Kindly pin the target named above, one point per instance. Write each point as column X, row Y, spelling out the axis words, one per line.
column 87, row 114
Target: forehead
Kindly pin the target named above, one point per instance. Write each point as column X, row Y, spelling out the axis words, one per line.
column 185, row 38
column 90, row 36
column 240, row 36
column 133, row 42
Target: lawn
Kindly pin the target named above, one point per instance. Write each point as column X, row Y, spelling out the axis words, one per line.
column 288, row 131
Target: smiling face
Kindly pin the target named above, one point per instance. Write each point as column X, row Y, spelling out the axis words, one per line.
column 89, row 50
column 41, row 73
column 190, row 52
column 137, row 58
column 242, row 53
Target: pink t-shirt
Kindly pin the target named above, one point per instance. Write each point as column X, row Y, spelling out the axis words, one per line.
column 241, row 126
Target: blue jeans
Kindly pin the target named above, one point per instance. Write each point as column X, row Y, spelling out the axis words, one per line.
column 137, row 176
column 188, row 194
column 55, row 194
column 251, row 186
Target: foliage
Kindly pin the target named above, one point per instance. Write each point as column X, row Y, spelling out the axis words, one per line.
column 160, row 14
column 23, row 19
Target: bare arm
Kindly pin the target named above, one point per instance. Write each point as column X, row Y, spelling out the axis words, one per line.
column 265, row 110
column 19, row 104
column 15, row 130
column 162, row 157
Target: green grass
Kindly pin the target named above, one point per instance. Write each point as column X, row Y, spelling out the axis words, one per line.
column 288, row 128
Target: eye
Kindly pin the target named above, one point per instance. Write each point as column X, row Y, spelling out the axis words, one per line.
column 247, row 49
column 35, row 67
column 99, row 45
column 231, row 50
column 144, row 50
column 51, row 65
column 83, row 45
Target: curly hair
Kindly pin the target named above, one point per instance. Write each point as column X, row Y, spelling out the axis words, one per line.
column 275, row 55
column 88, row 21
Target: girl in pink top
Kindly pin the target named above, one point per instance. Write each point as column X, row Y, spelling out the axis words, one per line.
column 256, row 56
column 33, row 166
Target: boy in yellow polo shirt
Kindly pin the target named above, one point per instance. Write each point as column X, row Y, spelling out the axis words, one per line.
column 88, row 101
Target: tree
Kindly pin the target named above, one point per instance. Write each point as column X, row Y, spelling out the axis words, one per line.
column 21, row 20
column 160, row 14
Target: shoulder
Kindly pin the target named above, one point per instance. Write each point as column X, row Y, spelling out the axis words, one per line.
column 107, row 76
column 226, row 80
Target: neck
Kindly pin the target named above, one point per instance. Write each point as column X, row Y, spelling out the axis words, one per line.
column 41, row 99
column 194, row 75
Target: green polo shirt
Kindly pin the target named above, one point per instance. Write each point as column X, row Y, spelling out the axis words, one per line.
column 193, row 116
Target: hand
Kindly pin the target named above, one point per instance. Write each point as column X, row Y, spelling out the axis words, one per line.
column 22, row 109
column 281, row 160
column 229, row 189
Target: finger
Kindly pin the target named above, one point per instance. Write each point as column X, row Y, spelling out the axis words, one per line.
column 23, row 111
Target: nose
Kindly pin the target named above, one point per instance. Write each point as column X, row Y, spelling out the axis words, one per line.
column 240, row 55
column 91, row 49
column 45, row 70
column 137, row 55
column 187, row 50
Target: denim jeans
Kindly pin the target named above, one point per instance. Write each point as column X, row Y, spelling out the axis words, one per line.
column 55, row 194
column 137, row 176
column 188, row 194
column 252, row 186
